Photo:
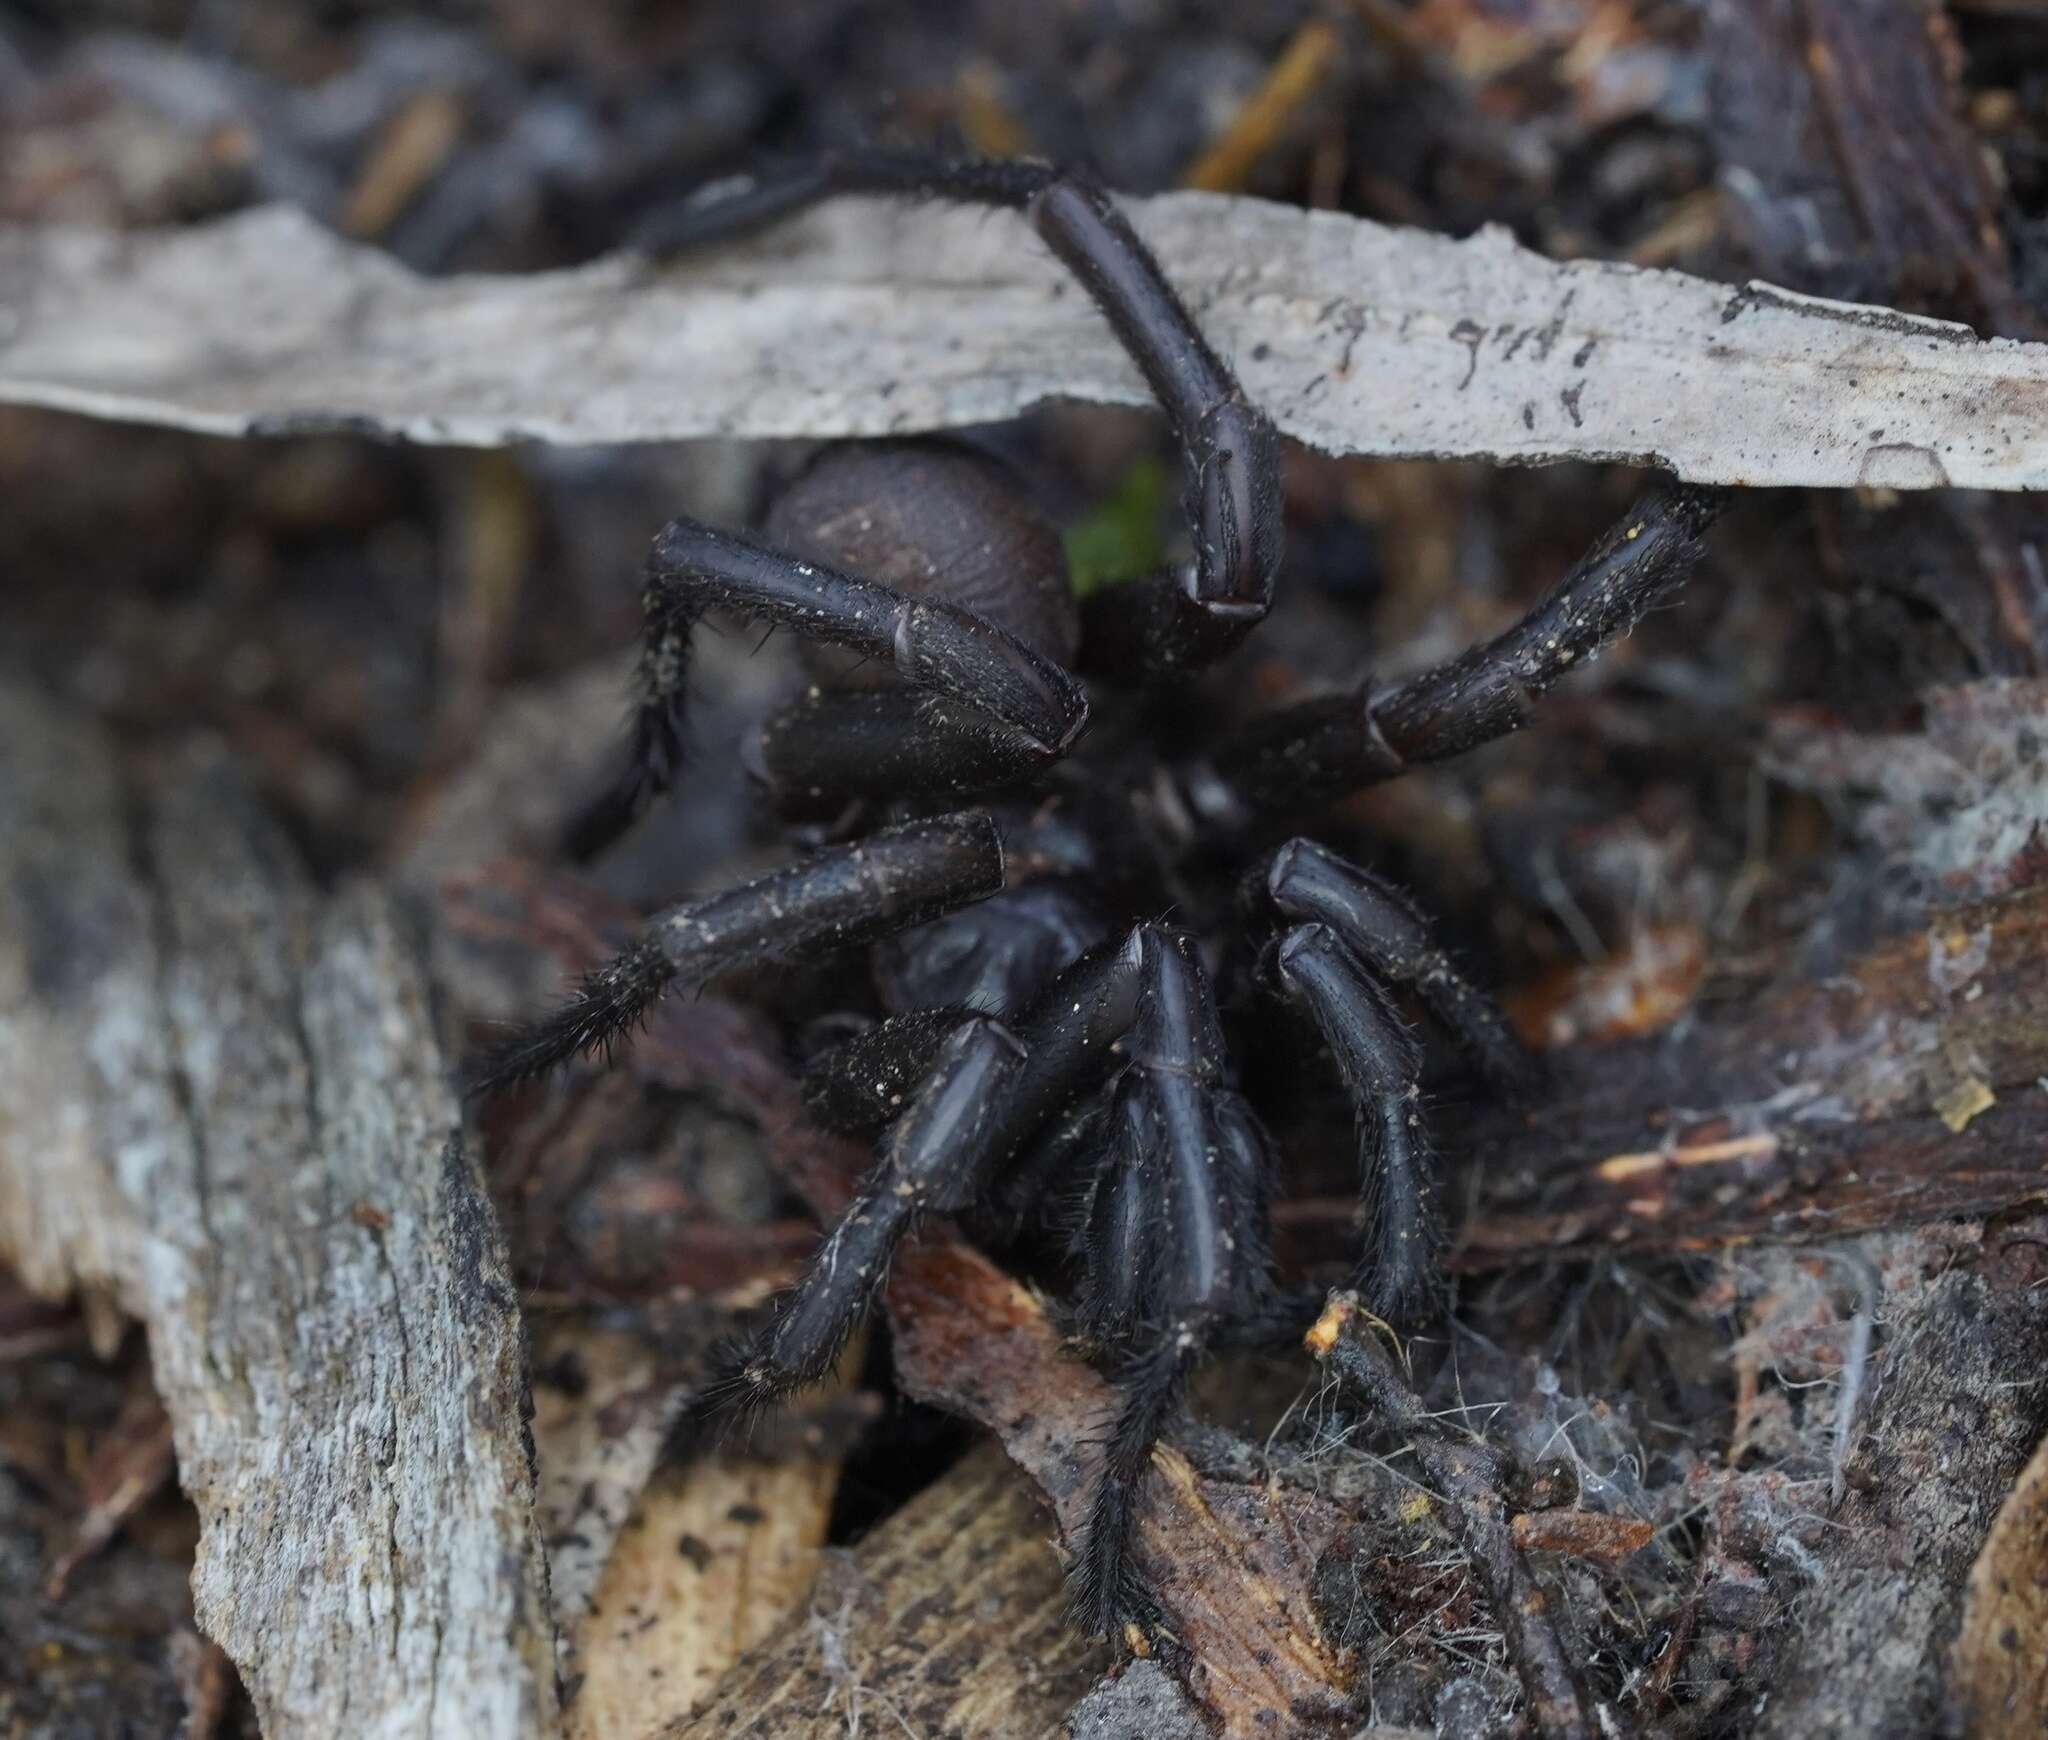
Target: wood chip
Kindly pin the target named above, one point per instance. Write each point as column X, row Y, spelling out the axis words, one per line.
column 2001, row 1661
column 949, row 1619
column 1231, row 1564
column 1585, row 1534
column 1957, row 1411
column 718, row 1559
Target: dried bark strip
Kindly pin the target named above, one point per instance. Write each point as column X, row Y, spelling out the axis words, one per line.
column 227, row 1110
column 1231, row 1565
column 2001, row 1670
column 718, row 1558
column 1468, row 1475
column 865, row 319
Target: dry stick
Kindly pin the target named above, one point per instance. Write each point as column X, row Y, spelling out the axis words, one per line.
column 1468, row 1476
column 1667, row 1665
column 1302, row 70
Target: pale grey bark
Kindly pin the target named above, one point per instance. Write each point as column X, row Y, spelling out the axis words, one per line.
column 226, row 1109
column 867, row 318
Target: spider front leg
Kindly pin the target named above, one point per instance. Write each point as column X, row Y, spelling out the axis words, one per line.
column 1323, row 749
column 988, row 1090
column 832, row 901
column 980, row 707
column 1176, row 1250
column 1309, row 883
column 931, row 1160
column 1350, row 933
column 1229, row 451
column 1401, row 1277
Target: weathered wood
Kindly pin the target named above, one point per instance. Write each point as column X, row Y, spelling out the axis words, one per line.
column 949, row 1619
column 1231, row 1563
column 225, row 1108
column 718, row 1558
column 663, row 1574
column 1959, row 1405
column 596, row 1440
column 2001, row 1666
column 878, row 318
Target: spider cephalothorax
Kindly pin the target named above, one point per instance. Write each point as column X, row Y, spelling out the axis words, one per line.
column 1048, row 1034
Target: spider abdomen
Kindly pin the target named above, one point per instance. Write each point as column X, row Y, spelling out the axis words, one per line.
column 934, row 520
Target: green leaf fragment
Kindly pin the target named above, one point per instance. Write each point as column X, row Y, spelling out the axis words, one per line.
column 1124, row 538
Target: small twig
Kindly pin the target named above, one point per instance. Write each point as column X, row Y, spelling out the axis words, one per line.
column 1468, row 1476
column 129, row 1466
column 1869, row 1289
column 1302, row 70
column 1665, row 1671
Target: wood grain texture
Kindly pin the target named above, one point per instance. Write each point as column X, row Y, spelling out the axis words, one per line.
column 717, row 1558
column 2001, row 1668
column 949, row 1619
column 877, row 318
column 1957, row 1410
column 226, row 1109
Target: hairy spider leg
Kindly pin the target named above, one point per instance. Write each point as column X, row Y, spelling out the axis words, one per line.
column 1378, row 1059
column 995, row 959
column 929, row 1161
column 1176, row 1249
column 832, row 901
column 989, row 1089
column 862, row 1084
column 994, row 707
column 1309, row 883
column 1174, row 1239
column 1325, row 748
column 1229, row 451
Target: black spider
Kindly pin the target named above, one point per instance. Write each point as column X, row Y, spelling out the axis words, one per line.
column 1037, row 1045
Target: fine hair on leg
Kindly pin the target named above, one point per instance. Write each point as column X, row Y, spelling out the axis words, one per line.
column 827, row 903
column 1312, row 753
column 1378, row 1060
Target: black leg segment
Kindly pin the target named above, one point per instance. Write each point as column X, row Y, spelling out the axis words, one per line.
column 744, row 205
column 1176, row 1249
column 1378, row 923
column 1322, row 749
column 859, row 1087
column 1023, row 705
column 1400, row 1278
column 989, row 1090
column 930, row 1161
column 827, row 748
column 832, row 901
column 1229, row 450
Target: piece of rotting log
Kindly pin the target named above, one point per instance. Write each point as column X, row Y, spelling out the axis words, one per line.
column 226, row 1113
column 1958, row 1406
